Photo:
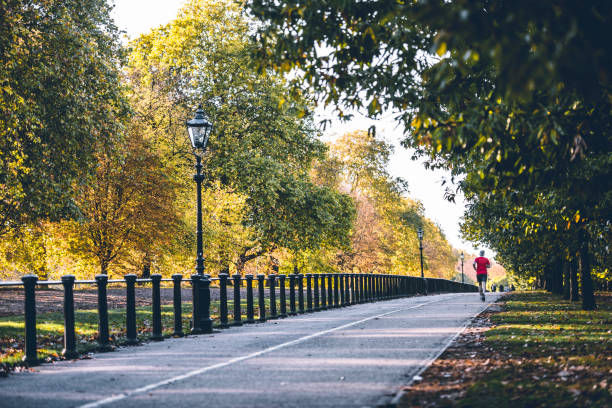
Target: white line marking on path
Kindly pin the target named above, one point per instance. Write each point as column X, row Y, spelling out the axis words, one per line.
column 190, row 374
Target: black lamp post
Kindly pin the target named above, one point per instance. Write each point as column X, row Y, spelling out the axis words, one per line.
column 420, row 236
column 199, row 130
column 462, row 258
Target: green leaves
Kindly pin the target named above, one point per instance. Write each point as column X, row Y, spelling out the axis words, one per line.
column 60, row 98
column 264, row 143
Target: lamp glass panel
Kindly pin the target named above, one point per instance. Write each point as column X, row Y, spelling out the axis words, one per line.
column 197, row 135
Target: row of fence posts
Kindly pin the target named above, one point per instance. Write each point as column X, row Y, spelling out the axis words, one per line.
column 323, row 291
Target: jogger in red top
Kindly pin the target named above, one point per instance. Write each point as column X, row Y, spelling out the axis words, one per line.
column 481, row 264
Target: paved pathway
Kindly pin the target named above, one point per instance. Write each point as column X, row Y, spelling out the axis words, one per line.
column 357, row 356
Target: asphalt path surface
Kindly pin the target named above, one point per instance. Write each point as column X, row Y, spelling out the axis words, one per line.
column 357, row 356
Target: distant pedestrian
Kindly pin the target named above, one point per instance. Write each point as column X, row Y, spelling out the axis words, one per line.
column 493, row 288
column 481, row 264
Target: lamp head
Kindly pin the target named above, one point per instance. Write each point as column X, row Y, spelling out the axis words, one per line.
column 199, row 130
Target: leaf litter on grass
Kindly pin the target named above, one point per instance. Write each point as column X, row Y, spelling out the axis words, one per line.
column 550, row 355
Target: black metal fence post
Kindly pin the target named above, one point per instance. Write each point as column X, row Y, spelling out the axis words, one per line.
column 206, row 323
column 250, row 314
column 315, row 290
column 261, row 285
column 237, row 306
column 103, row 343
column 292, row 311
column 323, row 291
column 69, row 350
column 282, row 296
column 341, row 288
column 330, row 290
column 156, row 306
column 352, row 279
column 309, row 292
column 371, row 287
column 223, row 320
column 130, row 309
column 374, row 287
column 300, row 281
column 385, row 288
column 29, row 287
column 347, row 292
column 177, row 304
column 362, row 298
column 195, row 311
column 272, row 285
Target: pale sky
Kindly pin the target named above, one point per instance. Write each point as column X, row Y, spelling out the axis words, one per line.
column 136, row 17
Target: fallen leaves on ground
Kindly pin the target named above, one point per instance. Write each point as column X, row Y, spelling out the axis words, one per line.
column 539, row 351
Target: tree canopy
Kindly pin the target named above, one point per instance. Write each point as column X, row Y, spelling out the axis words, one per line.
column 95, row 164
column 514, row 98
column 60, row 98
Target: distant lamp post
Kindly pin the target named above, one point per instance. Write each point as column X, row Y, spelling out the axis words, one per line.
column 199, row 129
column 462, row 258
column 420, row 236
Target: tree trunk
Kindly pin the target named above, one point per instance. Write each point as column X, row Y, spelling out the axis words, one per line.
column 547, row 280
column 557, row 274
column 573, row 271
column 588, row 297
column 146, row 266
column 103, row 267
column 566, row 280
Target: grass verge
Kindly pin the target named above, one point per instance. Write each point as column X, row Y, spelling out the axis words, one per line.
column 539, row 351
